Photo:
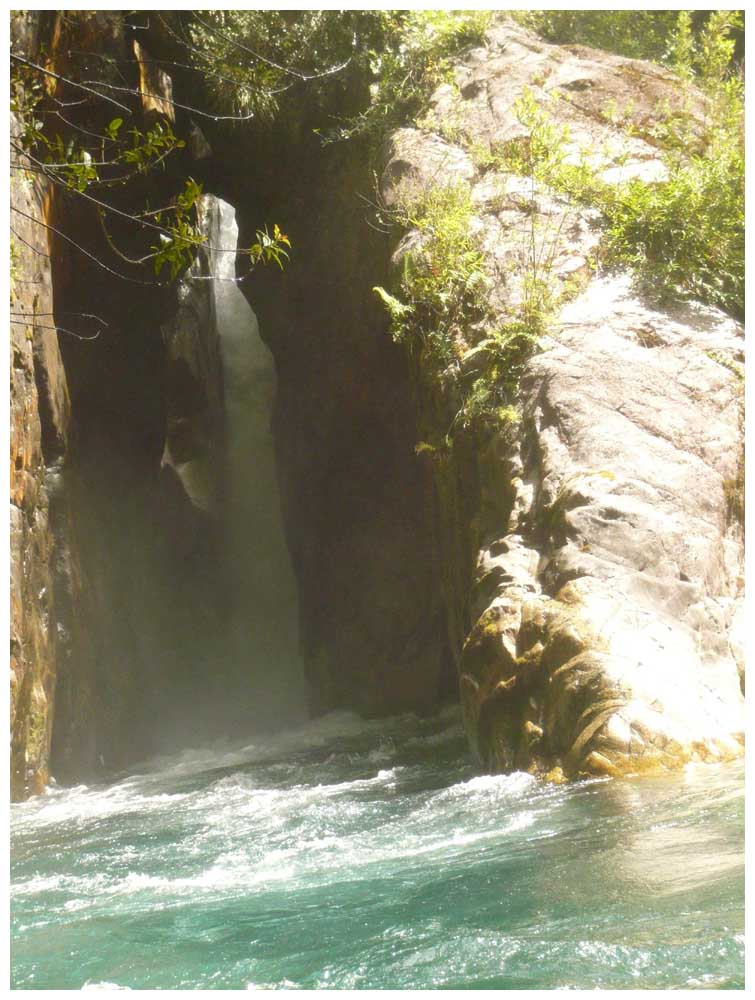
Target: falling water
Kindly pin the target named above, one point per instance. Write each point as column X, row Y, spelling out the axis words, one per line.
column 263, row 623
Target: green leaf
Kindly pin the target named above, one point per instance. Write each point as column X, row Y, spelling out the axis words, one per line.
column 113, row 127
column 396, row 308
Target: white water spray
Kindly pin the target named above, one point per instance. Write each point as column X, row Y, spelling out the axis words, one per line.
column 264, row 618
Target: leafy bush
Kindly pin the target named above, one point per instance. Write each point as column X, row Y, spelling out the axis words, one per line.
column 412, row 54
column 443, row 317
column 417, row 57
column 637, row 34
column 491, row 391
column 110, row 158
column 686, row 234
column 442, row 277
column 640, row 34
column 251, row 58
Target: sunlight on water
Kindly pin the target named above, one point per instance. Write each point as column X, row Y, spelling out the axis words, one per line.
column 353, row 854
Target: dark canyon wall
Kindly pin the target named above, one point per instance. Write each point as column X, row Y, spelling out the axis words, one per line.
column 128, row 646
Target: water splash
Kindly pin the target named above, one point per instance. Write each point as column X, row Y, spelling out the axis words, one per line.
column 352, row 854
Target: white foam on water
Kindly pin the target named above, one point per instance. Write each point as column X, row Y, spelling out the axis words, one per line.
column 352, row 829
column 238, row 837
column 104, row 986
column 481, row 792
column 74, row 905
column 142, row 792
column 85, row 804
column 59, row 883
column 314, row 852
column 284, row 984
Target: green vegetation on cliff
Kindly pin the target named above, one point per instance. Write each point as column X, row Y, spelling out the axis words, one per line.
column 443, row 316
column 255, row 63
column 686, row 233
column 683, row 234
column 638, row 34
column 104, row 164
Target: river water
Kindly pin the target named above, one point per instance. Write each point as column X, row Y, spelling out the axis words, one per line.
column 350, row 854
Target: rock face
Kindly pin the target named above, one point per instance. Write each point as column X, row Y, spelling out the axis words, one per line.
column 33, row 362
column 194, row 417
column 87, row 409
column 609, row 570
column 358, row 504
column 605, row 646
column 38, row 436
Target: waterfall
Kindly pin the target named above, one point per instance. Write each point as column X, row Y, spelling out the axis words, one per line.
column 262, row 635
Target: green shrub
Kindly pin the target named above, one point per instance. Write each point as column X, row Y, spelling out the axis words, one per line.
column 252, row 59
column 685, row 235
column 412, row 55
column 443, row 278
column 637, row 34
column 441, row 313
column 640, row 34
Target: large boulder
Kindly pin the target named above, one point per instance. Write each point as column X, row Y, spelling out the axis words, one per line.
column 609, row 569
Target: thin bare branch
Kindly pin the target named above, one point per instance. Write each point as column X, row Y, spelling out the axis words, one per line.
column 57, row 329
column 269, row 62
column 65, row 79
column 208, row 73
column 91, row 256
column 175, row 104
column 40, row 253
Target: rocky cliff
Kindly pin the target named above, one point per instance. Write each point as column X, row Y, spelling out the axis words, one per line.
column 38, row 397
column 575, row 574
column 604, row 602
column 39, row 437
column 86, row 361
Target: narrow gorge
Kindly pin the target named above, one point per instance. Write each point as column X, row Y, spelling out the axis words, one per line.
column 391, row 466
